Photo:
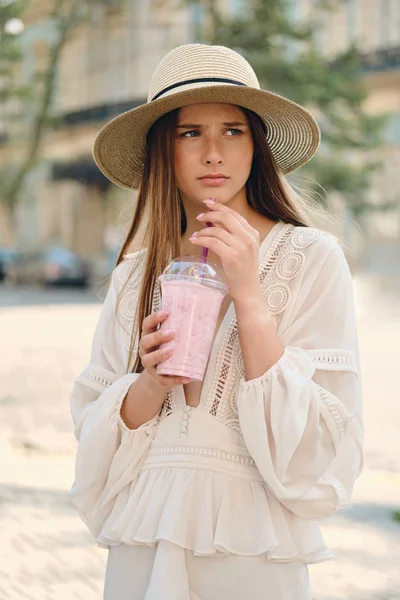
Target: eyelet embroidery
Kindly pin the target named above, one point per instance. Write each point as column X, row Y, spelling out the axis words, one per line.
column 304, row 236
column 95, row 377
column 221, row 401
column 204, row 451
column 277, row 297
column 287, row 266
column 290, row 265
column 334, row 411
column 130, row 271
column 336, row 360
column 128, row 304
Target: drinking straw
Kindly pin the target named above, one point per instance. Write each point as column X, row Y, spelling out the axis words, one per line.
column 204, row 250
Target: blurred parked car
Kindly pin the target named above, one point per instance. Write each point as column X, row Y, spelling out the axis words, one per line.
column 7, row 255
column 52, row 266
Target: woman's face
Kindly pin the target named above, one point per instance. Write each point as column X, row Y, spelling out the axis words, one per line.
column 213, row 152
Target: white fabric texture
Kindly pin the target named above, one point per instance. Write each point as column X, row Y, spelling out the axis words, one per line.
column 250, row 470
column 129, row 573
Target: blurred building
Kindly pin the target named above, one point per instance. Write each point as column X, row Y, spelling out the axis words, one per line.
column 374, row 26
column 105, row 70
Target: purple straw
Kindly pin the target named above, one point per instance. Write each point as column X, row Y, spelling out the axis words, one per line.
column 204, row 250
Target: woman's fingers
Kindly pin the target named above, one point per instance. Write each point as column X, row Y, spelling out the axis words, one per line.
column 212, row 243
column 214, row 232
column 151, row 359
column 150, row 353
column 224, row 219
column 152, row 340
column 218, row 206
column 151, row 322
column 169, row 380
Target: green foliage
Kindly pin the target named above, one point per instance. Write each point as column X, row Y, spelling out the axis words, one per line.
column 285, row 56
column 10, row 52
column 32, row 102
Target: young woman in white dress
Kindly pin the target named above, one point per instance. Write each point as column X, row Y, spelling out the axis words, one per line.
column 212, row 490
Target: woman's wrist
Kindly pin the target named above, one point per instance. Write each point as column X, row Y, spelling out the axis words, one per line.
column 250, row 302
column 143, row 401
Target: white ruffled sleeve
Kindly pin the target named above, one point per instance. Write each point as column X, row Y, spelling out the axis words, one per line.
column 302, row 419
column 109, row 454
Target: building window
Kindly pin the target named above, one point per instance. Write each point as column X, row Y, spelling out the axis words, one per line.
column 351, row 10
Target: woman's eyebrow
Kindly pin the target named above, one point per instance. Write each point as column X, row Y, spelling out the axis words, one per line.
column 189, row 126
column 194, row 126
column 235, row 124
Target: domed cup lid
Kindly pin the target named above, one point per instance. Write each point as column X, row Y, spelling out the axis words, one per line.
column 193, row 269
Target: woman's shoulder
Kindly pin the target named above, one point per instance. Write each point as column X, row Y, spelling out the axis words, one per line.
column 316, row 245
column 305, row 253
column 320, row 253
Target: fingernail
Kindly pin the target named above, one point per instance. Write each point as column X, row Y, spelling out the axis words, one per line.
column 210, row 201
column 168, row 332
column 194, row 235
column 187, row 380
column 199, row 216
column 162, row 313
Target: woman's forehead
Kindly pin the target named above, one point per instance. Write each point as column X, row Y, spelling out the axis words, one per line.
column 211, row 109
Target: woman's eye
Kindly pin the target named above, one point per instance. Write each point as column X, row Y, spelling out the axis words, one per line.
column 235, row 131
column 189, row 134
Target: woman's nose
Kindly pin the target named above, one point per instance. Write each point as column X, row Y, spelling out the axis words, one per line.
column 212, row 154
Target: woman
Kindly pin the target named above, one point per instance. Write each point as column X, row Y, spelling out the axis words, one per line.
column 211, row 490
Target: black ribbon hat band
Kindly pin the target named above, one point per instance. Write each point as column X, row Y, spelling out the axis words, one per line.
column 199, row 80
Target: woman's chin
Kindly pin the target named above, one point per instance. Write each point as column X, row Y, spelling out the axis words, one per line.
column 222, row 196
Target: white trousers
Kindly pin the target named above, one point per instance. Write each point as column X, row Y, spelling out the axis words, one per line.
column 172, row 573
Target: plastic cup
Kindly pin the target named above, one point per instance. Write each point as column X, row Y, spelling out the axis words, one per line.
column 192, row 293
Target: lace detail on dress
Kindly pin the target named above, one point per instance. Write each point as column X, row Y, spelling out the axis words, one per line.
column 204, row 452
column 96, row 378
column 333, row 415
column 128, row 277
column 334, row 360
column 339, row 489
column 222, row 402
column 289, row 263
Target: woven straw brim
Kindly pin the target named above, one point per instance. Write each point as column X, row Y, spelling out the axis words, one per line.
column 120, row 147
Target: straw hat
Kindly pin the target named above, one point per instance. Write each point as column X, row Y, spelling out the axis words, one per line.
column 195, row 73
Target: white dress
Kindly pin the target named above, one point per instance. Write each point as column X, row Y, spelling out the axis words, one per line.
column 222, row 500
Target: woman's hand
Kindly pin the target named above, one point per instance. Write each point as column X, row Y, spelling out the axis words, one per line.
column 151, row 354
column 236, row 244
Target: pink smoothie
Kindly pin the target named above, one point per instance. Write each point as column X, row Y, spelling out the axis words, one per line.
column 193, row 313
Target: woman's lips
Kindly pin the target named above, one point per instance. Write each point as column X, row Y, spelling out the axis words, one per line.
column 213, row 181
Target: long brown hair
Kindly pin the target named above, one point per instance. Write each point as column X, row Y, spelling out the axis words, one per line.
column 158, row 198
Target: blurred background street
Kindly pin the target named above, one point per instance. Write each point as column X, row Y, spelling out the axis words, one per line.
column 67, row 67
column 46, row 552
